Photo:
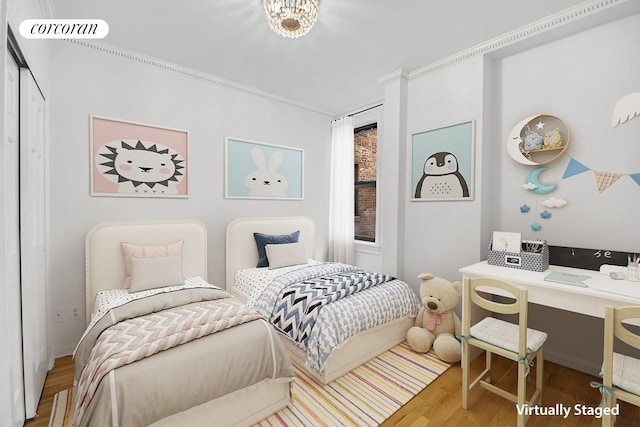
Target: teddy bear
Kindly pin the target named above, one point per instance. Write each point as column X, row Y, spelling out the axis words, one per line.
column 437, row 324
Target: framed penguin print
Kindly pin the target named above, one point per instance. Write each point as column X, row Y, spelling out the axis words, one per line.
column 442, row 163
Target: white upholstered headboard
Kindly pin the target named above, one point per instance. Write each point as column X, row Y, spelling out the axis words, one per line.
column 241, row 245
column 105, row 268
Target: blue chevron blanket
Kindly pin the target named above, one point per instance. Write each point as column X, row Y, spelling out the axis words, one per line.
column 301, row 294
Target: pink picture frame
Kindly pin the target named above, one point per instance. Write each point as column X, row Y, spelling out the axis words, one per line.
column 130, row 159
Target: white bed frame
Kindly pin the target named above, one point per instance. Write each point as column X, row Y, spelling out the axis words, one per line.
column 105, row 269
column 242, row 253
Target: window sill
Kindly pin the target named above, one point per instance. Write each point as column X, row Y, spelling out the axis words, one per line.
column 371, row 248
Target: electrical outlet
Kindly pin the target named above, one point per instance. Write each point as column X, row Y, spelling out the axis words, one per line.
column 58, row 315
column 75, row 312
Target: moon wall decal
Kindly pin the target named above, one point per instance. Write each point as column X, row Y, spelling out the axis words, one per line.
column 534, row 177
column 514, row 140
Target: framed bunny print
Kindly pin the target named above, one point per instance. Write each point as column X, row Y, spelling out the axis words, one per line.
column 254, row 170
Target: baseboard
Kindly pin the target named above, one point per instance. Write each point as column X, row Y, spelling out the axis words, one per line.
column 578, row 364
column 62, row 352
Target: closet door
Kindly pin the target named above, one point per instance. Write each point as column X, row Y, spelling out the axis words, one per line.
column 32, row 240
column 11, row 388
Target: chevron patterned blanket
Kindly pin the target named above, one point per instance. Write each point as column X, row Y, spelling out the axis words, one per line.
column 351, row 303
column 303, row 293
column 135, row 335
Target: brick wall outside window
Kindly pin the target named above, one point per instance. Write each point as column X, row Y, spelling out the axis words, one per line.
column 365, row 158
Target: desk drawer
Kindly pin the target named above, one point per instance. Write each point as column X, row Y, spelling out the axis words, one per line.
column 563, row 300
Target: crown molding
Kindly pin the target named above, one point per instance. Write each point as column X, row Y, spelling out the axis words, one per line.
column 187, row 72
column 394, row 75
column 521, row 34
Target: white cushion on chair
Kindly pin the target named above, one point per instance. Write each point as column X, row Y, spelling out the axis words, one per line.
column 505, row 335
column 626, row 373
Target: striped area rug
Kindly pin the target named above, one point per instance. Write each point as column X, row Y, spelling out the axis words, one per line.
column 366, row 396
column 62, row 408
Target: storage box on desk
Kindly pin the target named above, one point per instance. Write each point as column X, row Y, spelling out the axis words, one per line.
column 533, row 261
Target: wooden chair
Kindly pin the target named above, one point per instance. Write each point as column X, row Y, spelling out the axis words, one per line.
column 496, row 336
column 620, row 373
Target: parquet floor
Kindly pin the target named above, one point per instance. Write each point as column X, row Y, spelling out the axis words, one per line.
column 440, row 403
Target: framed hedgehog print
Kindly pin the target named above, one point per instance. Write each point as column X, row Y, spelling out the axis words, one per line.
column 131, row 159
column 442, row 162
column 254, row 170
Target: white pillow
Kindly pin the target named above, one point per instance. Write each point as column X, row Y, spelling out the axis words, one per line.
column 151, row 273
column 131, row 250
column 285, row 254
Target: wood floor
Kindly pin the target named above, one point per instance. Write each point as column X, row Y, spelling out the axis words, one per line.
column 58, row 379
column 439, row 404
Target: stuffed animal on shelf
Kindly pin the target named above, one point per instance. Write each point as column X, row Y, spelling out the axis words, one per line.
column 437, row 325
column 553, row 139
column 532, row 141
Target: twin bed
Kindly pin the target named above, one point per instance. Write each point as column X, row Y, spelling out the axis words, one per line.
column 386, row 311
column 180, row 385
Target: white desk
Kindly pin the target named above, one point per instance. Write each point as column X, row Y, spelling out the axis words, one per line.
column 601, row 290
column 584, row 354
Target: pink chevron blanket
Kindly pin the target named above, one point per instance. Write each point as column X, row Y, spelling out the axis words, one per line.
column 135, row 338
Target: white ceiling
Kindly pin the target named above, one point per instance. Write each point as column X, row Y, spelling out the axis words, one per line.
column 335, row 68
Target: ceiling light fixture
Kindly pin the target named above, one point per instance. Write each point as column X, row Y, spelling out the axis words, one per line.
column 291, row 18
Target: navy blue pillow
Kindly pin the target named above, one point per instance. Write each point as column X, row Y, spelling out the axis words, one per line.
column 263, row 240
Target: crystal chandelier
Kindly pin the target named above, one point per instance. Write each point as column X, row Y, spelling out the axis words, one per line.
column 291, row 18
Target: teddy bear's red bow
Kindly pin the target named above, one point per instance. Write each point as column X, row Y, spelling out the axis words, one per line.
column 434, row 320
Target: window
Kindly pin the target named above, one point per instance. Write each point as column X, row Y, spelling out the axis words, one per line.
column 365, row 141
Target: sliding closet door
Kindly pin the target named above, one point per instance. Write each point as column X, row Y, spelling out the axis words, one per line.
column 32, row 240
column 11, row 388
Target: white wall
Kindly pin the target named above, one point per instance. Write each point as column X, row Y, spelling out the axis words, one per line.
column 442, row 236
column 90, row 81
column 577, row 77
column 390, row 177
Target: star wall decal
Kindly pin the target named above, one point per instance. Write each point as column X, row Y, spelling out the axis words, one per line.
column 524, row 208
column 545, row 214
column 535, row 226
column 540, row 125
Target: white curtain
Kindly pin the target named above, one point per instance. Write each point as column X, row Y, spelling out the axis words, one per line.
column 341, row 197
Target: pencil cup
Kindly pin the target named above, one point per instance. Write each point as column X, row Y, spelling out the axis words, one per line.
column 633, row 272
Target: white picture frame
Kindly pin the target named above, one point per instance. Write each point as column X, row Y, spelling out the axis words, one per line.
column 255, row 170
column 131, row 159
